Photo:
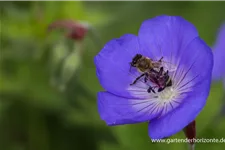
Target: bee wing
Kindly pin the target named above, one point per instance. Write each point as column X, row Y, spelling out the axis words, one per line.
column 168, row 66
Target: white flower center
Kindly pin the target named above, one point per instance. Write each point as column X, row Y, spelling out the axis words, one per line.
column 167, row 94
column 167, row 99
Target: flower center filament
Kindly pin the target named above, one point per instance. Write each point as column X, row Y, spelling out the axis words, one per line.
column 167, row 94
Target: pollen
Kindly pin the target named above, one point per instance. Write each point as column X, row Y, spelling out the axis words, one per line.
column 168, row 93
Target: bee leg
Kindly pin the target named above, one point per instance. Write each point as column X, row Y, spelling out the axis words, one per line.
column 169, row 83
column 161, row 89
column 150, row 89
column 167, row 73
column 153, row 70
column 160, row 60
column 161, row 71
column 168, row 80
column 146, row 78
column 138, row 78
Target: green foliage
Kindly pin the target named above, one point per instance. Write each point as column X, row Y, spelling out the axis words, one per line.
column 48, row 84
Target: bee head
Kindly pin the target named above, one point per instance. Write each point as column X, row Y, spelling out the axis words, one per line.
column 135, row 60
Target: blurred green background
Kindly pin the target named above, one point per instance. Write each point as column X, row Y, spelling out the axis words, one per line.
column 48, row 85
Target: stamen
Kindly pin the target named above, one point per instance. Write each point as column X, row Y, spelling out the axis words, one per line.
column 168, row 93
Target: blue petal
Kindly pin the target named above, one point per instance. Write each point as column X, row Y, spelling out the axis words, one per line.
column 166, row 36
column 116, row 110
column 113, row 65
column 175, row 121
column 195, row 86
column 176, row 40
column 194, row 67
column 219, row 55
column 196, row 90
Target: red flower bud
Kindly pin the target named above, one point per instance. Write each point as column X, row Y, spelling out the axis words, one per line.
column 75, row 30
column 190, row 132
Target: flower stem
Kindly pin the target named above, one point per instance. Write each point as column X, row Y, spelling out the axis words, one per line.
column 95, row 37
column 190, row 133
column 222, row 112
column 191, row 146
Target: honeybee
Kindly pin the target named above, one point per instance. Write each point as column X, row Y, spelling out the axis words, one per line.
column 151, row 70
column 144, row 64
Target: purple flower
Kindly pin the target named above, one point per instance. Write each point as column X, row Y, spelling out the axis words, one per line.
column 219, row 56
column 168, row 111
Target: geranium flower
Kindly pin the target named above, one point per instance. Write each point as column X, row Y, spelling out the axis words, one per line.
column 219, row 56
column 168, row 111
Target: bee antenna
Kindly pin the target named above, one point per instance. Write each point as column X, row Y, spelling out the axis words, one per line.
column 130, row 68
